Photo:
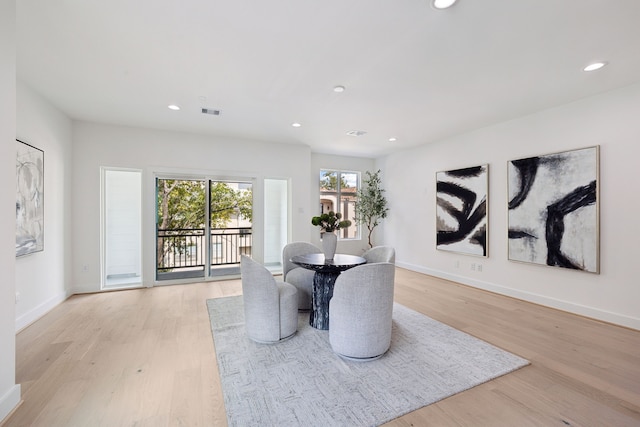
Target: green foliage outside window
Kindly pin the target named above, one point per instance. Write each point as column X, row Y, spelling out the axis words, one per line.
column 329, row 181
column 181, row 206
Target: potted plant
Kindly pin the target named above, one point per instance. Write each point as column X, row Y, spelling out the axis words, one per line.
column 371, row 205
column 329, row 223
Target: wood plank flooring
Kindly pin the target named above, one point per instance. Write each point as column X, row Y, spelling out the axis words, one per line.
column 146, row 358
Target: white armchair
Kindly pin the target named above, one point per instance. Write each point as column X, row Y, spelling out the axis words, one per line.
column 361, row 310
column 299, row 277
column 270, row 307
column 380, row 254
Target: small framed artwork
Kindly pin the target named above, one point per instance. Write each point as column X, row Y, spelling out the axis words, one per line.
column 29, row 199
column 462, row 209
column 553, row 211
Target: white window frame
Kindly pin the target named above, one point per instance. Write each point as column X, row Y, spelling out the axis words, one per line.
column 135, row 281
column 338, row 197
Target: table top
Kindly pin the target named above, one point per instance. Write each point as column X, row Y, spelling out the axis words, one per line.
column 316, row 262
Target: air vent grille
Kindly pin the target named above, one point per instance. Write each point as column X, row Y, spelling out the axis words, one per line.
column 356, row 133
column 211, row 111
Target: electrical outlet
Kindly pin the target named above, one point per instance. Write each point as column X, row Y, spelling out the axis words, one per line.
column 479, row 267
column 473, row 266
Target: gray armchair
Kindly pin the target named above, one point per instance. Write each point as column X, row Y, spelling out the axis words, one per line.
column 299, row 277
column 361, row 310
column 270, row 307
column 380, row 254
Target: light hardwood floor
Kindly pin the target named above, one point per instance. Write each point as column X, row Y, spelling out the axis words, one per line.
column 146, row 358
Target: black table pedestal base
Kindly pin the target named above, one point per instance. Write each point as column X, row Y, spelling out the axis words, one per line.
column 326, row 273
column 322, row 292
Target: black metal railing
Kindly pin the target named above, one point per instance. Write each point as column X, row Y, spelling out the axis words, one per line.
column 227, row 244
column 185, row 248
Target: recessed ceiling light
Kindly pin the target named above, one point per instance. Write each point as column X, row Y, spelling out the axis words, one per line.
column 173, row 107
column 296, row 125
column 442, row 4
column 594, row 66
column 339, row 89
column 393, row 139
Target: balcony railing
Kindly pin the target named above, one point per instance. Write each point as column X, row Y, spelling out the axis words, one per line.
column 185, row 248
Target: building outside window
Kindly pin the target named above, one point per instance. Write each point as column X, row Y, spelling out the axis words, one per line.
column 338, row 193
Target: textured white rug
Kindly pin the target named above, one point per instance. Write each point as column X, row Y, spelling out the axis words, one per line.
column 302, row 382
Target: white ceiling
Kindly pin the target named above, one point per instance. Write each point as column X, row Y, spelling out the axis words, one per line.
column 410, row 71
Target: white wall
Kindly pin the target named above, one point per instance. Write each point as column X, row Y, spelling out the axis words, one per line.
column 96, row 145
column 9, row 391
column 42, row 278
column 343, row 163
column 609, row 120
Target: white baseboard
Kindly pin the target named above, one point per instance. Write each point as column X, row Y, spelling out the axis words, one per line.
column 9, row 401
column 591, row 312
column 86, row 289
column 37, row 312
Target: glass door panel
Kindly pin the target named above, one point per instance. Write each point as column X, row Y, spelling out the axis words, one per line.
column 180, row 228
column 230, row 223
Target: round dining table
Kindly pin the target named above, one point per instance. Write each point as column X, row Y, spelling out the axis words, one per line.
column 326, row 273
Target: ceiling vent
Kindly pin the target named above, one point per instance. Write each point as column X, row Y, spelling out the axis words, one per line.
column 356, row 133
column 211, row 111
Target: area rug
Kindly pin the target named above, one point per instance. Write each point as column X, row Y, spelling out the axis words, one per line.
column 302, row 382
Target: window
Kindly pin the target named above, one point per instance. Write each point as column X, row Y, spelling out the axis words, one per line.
column 338, row 193
column 276, row 221
column 121, row 228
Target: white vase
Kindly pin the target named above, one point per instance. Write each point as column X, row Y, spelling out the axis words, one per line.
column 329, row 243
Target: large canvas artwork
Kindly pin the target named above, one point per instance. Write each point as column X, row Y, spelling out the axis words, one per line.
column 554, row 211
column 30, row 199
column 461, row 210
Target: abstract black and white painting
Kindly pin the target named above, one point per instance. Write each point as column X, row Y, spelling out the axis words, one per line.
column 554, row 209
column 30, row 199
column 461, row 210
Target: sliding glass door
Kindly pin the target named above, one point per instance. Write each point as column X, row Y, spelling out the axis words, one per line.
column 202, row 226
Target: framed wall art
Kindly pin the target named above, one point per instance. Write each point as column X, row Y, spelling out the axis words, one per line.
column 553, row 210
column 461, row 210
column 29, row 199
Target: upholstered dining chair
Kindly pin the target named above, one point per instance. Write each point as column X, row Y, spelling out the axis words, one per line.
column 361, row 310
column 380, row 254
column 270, row 306
column 299, row 277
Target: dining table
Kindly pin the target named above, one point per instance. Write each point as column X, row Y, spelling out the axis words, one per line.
column 326, row 273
